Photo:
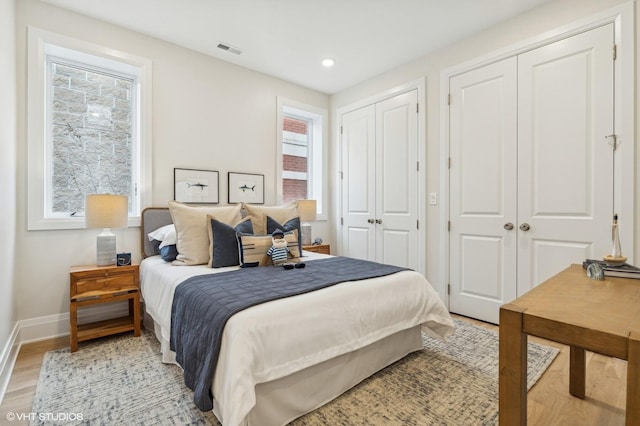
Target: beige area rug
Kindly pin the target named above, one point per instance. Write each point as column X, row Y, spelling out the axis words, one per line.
column 121, row 380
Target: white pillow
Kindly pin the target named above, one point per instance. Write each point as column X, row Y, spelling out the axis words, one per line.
column 191, row 229
column 165, row 234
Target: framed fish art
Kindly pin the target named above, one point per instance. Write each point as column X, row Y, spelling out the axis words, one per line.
column 246, row 188
column 196, row 186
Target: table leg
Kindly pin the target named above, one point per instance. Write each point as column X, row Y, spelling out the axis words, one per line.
column 136, row 314
column 512, row 383
column 633, row 379
column 577, row 374
column 73, row 326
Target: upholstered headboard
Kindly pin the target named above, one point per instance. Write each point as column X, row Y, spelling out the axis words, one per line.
column 152, row 219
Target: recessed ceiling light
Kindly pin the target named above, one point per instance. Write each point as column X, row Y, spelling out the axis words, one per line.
column 328, row 62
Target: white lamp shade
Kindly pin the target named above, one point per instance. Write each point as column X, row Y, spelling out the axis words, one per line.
column 307, row 210
column 106, row 211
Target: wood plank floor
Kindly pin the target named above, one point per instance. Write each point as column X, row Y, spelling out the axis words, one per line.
column 549, row 402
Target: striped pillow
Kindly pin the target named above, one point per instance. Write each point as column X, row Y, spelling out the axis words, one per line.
column 255, row 247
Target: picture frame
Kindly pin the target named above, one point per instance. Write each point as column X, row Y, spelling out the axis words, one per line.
column 196, row 186
column 245, row 188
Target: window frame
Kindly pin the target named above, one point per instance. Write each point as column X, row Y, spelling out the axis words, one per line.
column 41, row 45
column 317, row 176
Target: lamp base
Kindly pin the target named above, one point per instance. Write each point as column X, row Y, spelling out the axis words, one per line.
column 305, row 230
column 106, row 248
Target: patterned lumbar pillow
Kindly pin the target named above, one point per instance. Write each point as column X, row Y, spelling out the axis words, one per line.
column 255, row 247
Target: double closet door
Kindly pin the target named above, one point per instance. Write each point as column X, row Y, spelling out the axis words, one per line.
column 379, row 161
column 531, row 169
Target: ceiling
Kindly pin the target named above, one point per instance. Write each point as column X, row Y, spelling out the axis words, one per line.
column 289, row 38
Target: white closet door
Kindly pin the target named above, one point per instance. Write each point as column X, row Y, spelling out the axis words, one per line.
column 397, row 180
column 380, row 181
column 565, row 167
column 483, row 181
column 358, row 193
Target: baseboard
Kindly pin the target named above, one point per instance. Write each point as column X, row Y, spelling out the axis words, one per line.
column 51, row 326
column 8, row 358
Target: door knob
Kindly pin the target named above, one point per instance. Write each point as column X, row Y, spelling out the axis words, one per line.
column 508, row 226
column 370, row 220
column 378, row 221
column 525, row 227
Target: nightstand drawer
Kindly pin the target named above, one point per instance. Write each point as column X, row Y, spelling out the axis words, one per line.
column 91, row 279
column 109, row 283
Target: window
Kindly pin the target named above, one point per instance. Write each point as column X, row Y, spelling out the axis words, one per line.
column 87, row 129
column 302, row 153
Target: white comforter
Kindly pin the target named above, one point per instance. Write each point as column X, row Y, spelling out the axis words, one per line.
column 278, row 338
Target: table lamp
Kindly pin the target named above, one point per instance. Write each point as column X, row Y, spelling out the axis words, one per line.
column 307, row 213
column 106, row 211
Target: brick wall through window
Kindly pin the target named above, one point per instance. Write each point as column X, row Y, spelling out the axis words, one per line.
column 295, row 160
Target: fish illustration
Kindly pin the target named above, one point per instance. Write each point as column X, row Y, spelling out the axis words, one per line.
column 245, row 187
column 202, row 186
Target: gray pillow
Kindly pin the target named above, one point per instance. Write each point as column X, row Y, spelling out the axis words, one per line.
column 225, row 251
column 290, row 225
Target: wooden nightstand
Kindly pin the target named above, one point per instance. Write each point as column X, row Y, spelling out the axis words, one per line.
column 91, row 285
column 318, row 248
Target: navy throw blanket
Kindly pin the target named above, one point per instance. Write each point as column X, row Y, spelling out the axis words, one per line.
column 203, row 304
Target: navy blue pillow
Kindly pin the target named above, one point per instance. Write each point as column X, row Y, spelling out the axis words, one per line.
column 291, row 224
column 169, row 253
column 225, row 250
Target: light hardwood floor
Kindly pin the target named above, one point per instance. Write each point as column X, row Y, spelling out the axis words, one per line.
column 549, row 402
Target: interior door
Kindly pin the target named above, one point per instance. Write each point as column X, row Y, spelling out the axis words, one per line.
column 483, row 182
column 358, row 180
column 397, row 181
column 565, row 164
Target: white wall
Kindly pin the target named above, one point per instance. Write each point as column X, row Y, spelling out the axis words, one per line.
column 207, row 114
column 545, row 18
column 7, row 181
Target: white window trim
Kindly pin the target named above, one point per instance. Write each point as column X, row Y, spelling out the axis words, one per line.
column 319, row 150
column 36, row 129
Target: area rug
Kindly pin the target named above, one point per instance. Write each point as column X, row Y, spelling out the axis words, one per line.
column 121, row 380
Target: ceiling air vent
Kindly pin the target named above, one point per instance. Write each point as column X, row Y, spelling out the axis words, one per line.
column 229, row 48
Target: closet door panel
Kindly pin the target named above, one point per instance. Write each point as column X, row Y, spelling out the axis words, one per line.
column 396, row 180
column 565, row 166
column 483, row 176
column 358, row 197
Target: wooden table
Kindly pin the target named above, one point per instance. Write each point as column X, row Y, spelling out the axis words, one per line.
column 318, row 248
column 92, row 285
column 570, row 308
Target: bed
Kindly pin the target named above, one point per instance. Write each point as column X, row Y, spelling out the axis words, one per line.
column 282, row 359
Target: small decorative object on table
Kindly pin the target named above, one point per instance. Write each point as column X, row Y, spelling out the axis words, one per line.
column 623, row 270
column 123, row 259
column 616, row 257
column 595, row 271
